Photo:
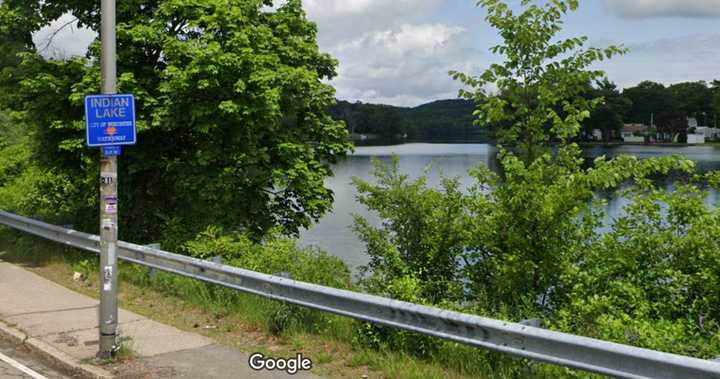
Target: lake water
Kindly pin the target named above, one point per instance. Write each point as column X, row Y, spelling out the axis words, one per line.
column 334, row 232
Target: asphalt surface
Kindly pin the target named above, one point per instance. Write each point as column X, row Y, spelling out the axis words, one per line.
column 21, row 356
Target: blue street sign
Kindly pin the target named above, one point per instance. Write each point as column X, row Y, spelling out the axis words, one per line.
column 110, row 120
column 112, row 151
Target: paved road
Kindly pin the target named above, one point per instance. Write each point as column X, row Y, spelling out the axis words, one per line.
column 25, row 360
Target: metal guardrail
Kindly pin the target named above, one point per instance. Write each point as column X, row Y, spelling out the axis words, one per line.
column 520, row 340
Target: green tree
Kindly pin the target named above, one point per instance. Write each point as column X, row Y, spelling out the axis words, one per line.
column 516, row 232
column 715, row 87
column 608, row 117
column 510, row 244
column 540, row 77
column 425, row 236
column 232, row 119
column 541, row 82
column 14, row 36
column 648, row 98
column 442, row 120
column 693, row 98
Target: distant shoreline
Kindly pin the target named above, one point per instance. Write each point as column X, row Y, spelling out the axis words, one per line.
column 664, row 144
column 380, row 142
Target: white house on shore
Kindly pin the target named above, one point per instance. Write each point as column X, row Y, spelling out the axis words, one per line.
column 634, row 133
column 701, row 133
column 708, row 132
column 694, row 139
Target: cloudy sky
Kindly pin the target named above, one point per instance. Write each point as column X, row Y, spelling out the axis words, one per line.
column 399, row 51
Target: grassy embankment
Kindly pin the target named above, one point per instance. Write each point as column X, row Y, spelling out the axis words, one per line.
column 250, row 323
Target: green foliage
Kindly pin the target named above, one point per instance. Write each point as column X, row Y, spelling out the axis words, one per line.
column 531, row 246
column 447, row 120
column 541, row 78
column 607, row 117
column 443, row 120
column 715, row 106
column 14, row 151
column 651, row 281
column 451, row 120
column 414, row 257
column 86, row 267
column 528, row 242
column 275, row 255
column 29, row 189
column 647, row 98
column 693, row 98
column 381, row 120
column 504, row 243
column 231, row 106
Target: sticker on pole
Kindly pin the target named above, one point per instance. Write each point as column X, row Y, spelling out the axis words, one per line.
column 110, row 120
column 112, row 151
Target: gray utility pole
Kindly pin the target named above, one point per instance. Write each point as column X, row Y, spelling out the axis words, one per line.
column 108, row 311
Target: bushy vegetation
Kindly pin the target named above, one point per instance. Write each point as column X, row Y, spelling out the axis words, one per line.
column 529, row 242
column 275, row 255
column 651, row 281
column 521, row 248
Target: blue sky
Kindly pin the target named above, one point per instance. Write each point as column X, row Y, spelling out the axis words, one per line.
column 399, row 51
column 596, row 18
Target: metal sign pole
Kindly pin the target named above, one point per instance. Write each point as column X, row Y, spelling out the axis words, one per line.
column 108, row 311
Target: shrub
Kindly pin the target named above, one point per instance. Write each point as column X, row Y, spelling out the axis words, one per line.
column 415, row 255
column 652, row 280
column 274, row 255
column 278, row 256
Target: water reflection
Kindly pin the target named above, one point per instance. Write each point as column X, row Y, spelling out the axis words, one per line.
column 334, row 232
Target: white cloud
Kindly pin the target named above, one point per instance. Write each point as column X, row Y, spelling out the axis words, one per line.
column 63, row 39
column 407, row 65
column 668, row 60
column 664, row 8
column 343, row 19
column 386, row 53
column 408, row 39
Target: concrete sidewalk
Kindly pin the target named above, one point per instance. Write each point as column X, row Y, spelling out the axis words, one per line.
column 62, row 325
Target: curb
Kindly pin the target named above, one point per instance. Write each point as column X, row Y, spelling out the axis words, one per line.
column 53, row 356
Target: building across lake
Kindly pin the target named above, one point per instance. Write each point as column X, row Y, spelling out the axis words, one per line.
column 685, row 130
column 634, row 133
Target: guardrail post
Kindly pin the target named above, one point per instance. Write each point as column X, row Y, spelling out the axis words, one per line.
column 152, row 272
